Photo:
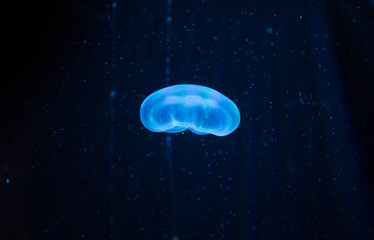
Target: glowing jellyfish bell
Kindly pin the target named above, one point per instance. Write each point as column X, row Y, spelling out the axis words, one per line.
column 202, row 110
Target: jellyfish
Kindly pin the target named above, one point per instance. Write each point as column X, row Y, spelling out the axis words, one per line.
column 200, row 109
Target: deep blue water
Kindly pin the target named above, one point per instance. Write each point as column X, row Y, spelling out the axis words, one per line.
column 77, row 163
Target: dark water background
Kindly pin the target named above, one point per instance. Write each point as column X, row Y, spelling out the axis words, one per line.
column 76, row 162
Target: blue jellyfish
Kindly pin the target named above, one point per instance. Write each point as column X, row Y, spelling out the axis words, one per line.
column 202, row 110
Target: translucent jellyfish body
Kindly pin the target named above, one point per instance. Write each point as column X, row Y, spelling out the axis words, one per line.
column 202, row 110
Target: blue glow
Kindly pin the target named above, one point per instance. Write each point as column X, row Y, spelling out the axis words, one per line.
column 200, row 109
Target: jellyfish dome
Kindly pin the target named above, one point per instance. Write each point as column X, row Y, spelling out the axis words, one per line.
column 200, row 109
